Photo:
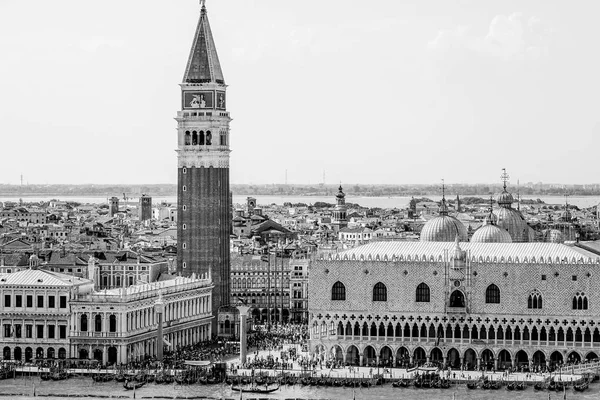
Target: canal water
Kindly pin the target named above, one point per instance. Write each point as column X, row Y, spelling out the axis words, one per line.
column 23, row 388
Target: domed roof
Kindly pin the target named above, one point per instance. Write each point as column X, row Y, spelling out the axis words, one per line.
column 443, row 228
column 505, row 199
column 513, row 222
column 566, row 215
column 489, row 233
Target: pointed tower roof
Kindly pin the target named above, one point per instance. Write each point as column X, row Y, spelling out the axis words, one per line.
column 203, row 64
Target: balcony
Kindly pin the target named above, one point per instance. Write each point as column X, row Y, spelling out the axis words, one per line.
column 199, row 115
column 96, row 334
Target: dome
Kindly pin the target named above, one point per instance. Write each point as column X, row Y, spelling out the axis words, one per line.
column 489, row 233
column 566, row 216
column 505, row 199
column 513, row 222
column 443, row 228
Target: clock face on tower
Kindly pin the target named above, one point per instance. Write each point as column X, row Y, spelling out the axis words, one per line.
column 198, row 99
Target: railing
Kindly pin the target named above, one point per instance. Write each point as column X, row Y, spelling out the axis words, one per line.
column 202, row 114
column 580, row 368
column 205, row 147
column 129, row 294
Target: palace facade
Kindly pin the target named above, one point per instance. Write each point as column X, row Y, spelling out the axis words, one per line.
column 120, row 325
column 47, row 314
column 473, row 304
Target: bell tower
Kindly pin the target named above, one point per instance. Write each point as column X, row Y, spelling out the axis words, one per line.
column 203, row 201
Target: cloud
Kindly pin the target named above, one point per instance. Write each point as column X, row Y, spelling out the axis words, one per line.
column 508, row 37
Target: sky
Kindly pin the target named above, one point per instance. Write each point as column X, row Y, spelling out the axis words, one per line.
column 382, row 91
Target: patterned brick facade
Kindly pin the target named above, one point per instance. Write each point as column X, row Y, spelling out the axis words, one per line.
column 399, row 330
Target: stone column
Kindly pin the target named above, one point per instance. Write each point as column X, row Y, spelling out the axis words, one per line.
column 478, row 362
column 496, row 364
column 360, row 361
column 444, row 361
column 122, row 356
column 104, row 355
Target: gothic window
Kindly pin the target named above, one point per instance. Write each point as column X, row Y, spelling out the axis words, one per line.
column 223, row 139
column 201, row 138
column 338, row 291
column 194, row 138
column 422, row 295
column 534, row 300
column 580, row 301
column 457, row 299
column 208, row 138
column 379, row 292
column 492, row 294
column 187, row 138
column 84, row 323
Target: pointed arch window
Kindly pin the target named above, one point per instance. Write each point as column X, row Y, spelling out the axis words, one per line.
column 423, row 294
column 338, row 291
column 492, row 294
column 580, row 301
column 534, row 301
column 379, row 292
column 201, row 139
column 187, row 140
column 194, row 138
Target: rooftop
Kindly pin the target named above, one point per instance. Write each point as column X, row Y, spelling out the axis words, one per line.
column 37, row 277
column 430, row 251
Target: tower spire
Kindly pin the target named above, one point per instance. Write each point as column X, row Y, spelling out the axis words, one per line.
column 443, row 207
column 518, row 196
column 504, row 178
column 203, row 64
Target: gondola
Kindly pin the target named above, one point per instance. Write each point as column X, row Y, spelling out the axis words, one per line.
column 45, row 376
column 538, row 386
column 510, row 386
column 520, row 386
column 254, row 389
column 472, row 385
column 59, row 376
column 120, row 378
column 559, row 386
column 581, row 387
column 132, row 386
